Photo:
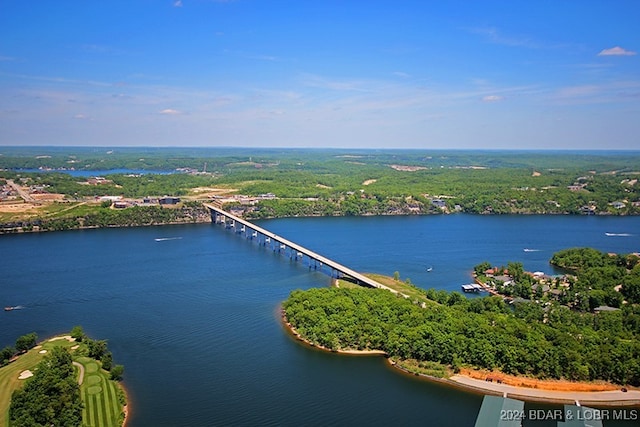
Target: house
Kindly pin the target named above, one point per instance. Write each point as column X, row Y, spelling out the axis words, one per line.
column 439, row 203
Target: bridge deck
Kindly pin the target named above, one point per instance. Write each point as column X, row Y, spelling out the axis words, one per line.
column 326, row 261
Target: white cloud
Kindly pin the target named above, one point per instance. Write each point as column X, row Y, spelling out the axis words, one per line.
column 170, row 112
column 616, row 51
column 492, row 98
column 177, row 3
column 493, row 35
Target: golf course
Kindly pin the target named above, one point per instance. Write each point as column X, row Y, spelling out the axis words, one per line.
column 103, row 399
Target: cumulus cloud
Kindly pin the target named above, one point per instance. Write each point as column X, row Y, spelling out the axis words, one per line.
column 170, row 112
column 616, row 51
column 492, row 98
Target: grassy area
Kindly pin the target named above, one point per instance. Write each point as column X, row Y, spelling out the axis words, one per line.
column 432, row 369
column 103, row 398
column 414, row 293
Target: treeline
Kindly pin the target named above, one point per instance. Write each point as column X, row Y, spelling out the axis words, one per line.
column 98, row 350
column 23, row 344
column 349, row 205
column 174, row 184
column 101, row 217
column 552, row 342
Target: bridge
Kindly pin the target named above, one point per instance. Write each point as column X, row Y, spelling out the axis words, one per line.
column 220, row 216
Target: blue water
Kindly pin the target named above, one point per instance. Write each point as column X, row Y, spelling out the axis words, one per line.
column 195, row 320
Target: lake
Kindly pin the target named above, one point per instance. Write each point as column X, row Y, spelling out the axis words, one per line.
column 194, row 317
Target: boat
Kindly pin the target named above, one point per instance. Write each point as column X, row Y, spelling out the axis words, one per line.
column 429, row 269
column 9, row 308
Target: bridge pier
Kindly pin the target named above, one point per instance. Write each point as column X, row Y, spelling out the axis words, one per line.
column 220, row 216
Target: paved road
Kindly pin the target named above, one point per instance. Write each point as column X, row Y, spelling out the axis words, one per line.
column 26, row 196
column 599, row 398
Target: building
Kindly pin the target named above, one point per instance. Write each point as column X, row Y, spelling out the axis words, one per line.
column 167, row 200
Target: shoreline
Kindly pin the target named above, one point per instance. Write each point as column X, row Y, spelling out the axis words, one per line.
column 466, row 383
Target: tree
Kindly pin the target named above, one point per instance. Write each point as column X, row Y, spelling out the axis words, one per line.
column 116, row 372
column 516, row 270
column 77, row 333
column 6, row 354
column 97, row 348
column 107, row 361
column 25, row 342
column 481, row 268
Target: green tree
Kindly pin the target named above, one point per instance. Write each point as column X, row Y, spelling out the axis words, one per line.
column 6, row 354
column 116, row 372
column 25, row 342
column 77, row 333
column 97, row 348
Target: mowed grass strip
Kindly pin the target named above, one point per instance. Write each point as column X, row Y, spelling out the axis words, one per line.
column 102, row 407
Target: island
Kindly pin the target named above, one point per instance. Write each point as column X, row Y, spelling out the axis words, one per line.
column 71, row 377
column 538, row 350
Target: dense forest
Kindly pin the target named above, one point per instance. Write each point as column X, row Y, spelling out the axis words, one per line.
column 319, row 182
column 543, row 339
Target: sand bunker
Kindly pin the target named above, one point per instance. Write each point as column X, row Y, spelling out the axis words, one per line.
column 25, row 374
column 65, row 337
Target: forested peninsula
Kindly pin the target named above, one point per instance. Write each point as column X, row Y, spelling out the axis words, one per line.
column 439, row 333
column 47, row 188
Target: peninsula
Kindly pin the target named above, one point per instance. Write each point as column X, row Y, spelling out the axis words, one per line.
column 481, row 344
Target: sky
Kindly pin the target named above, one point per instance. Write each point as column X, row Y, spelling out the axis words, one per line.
column 348, row 74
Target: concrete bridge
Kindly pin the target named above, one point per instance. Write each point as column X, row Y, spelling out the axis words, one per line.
column 220, row 216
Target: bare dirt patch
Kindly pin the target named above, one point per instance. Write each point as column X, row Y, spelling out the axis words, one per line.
column 555, row 385
column 405, row 168
column 369, row 181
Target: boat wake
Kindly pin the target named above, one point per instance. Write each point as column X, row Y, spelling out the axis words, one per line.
column 163, row 239
column 531, row 250
column 618, row 234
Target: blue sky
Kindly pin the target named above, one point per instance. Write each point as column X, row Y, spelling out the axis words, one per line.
column 377, row 74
